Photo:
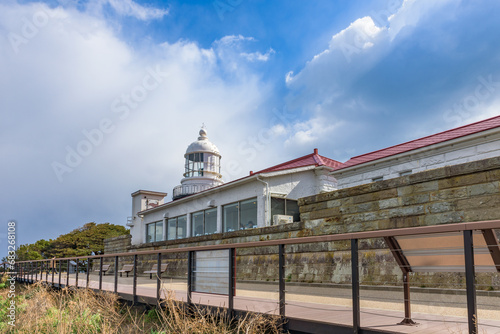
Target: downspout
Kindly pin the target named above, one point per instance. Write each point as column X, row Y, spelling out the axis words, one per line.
column 267, row 206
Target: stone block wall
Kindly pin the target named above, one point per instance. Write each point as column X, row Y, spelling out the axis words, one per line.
column 118, row 244
column 462, row 193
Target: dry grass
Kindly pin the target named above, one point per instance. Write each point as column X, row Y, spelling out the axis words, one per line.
column 42, row 310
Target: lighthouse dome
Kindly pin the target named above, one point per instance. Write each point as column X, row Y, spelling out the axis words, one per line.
column 202, row 145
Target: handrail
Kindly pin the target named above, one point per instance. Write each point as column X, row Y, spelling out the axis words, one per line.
column 457, row 227
column 29, row 270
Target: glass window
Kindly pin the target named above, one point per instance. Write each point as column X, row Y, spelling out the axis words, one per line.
column 150, row 232
column 211, row 221
column 204, row 222
column 240, row 215
column 277, row 206
column 181, row 227
column 197, row 223
column 159, row 231
column 231, row 217
column 172, row 229
column 154, row 232
column 284, row 206
column 177, row 227
column 248, row 214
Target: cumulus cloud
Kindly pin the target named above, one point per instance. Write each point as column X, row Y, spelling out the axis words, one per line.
column 88, row 119
column 393, row 75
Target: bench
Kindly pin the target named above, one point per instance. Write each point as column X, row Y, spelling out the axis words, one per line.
column 105, row 267
column 126, row 269
column 154, row 270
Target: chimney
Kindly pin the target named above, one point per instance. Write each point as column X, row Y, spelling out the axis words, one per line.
column 315, row 151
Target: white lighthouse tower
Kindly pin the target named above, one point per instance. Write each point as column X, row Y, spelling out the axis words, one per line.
column 202, row 167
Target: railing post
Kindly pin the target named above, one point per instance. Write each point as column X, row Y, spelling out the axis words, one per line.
column 231, row 279
column 134, row 288
column 281, row 279
column 88, row 273
column 355, row 286
column 190, row 278
column 60, row 270
column 47, row 273
column 53, row 265
column 31, row 270
column 76, row 275
column 470, row 277
column 100, row 274
column 67, row 273
column 158, row 278
column 116, row 274
column 36, row 272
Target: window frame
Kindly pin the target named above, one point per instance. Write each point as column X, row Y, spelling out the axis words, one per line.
column 176, row 227
column 204, row 215
column 238, row 203
column 154, row 225
column 286, row 207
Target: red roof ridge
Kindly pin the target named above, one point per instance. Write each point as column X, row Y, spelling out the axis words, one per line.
column 306, row 160
column 429, row 140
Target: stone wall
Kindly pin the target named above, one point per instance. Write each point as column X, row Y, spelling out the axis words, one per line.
column 462, row 193
column 118, row 244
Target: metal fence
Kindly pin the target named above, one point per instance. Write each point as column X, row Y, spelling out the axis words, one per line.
column 212, row 269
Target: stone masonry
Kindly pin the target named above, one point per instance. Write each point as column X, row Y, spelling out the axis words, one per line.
column 461, row 193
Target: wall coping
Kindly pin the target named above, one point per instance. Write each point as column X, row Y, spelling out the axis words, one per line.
column 419, row 177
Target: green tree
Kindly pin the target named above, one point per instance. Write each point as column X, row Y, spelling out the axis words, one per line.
column 79, row 242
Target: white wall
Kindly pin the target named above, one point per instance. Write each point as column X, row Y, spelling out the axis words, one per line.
column 307, row 182
column 454, row 152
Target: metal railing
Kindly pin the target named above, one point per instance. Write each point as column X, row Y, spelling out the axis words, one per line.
column 32, row 271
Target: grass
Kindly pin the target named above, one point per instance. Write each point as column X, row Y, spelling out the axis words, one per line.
column 44, row 310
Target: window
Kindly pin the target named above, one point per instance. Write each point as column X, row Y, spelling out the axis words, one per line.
column 240, row 215
column 154, row 232
column 284, row 206
column 376, row 179
column 194, row 165
column 406, row 172
column 177, row 228
column 198, row 164
column 204, row 222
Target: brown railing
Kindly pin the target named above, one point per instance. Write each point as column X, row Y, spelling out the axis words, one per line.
column 33, row 271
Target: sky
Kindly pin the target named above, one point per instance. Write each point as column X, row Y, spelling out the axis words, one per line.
column 100, row 98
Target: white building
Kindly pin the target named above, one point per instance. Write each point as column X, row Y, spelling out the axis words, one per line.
column 203, row 204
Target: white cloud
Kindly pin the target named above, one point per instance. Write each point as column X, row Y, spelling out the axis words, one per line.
column 75, row 78
column 257, row 56
column 128, row 8
column 323, row 90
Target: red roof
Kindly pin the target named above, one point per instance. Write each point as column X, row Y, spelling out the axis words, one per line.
column 462, row 131
column 313, row 159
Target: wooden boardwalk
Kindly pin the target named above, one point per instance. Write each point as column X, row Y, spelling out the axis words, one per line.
column 306, row 308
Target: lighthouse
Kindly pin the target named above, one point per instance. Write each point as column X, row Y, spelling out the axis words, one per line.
column 202, row 168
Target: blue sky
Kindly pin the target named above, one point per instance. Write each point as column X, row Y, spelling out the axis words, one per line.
column 101, row 98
